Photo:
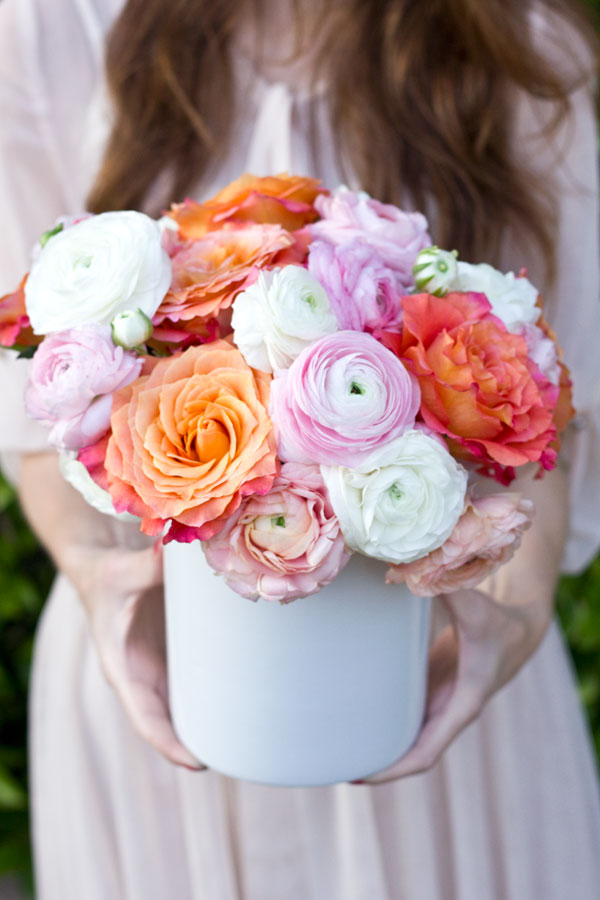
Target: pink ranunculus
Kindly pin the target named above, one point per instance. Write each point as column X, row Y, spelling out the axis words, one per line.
column 396, row 235
column 484, row 538
column 542, row 351
column 282, row 545
column 361, row 288
column 71, row 381
column 343, row 397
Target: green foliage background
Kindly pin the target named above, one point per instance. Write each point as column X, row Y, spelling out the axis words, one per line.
column 25, row 578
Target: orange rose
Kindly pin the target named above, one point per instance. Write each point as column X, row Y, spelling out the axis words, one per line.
column 208, row 273
column 14, row 321
column 478, row 386
column 190, row 438
column 285, row 200
column 564, row 410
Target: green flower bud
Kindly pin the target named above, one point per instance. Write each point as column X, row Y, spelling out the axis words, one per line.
column 131, row 328
column 435, row 270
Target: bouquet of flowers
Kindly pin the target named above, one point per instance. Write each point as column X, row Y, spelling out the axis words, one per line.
column 290, row 376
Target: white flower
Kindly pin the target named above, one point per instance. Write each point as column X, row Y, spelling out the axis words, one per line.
column 435, row 270
column 402, row 502
column 283, row 312
column 513, row 299
column 130, row 328
column 97, row 268
column 166, row 223
column 60, row 224
column 78, row 477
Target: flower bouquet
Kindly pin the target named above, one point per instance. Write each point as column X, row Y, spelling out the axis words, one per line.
column 295, row 390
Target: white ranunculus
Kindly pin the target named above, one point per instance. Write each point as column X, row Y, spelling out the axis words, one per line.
column 166, row 223
column 513, row 298
column 78, row 477
column 402, row 502
column 130, row 328
column 283, row 312
column 96, row 269
column 435, row 270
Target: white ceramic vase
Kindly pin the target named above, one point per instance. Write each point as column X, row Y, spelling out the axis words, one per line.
column 326, row 689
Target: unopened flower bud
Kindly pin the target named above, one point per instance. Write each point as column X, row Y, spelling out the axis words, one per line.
column 50, row 233
column 435, row 270
column 131, row 328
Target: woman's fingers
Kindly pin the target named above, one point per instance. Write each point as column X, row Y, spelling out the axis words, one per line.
column 131, row 639
column 139, row 680
column 457, row 689
column 149, row 714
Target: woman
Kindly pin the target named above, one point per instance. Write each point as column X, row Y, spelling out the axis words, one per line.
column 465, row 105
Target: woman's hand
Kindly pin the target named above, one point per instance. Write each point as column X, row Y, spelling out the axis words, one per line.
column 494, row 631
column 121, row 591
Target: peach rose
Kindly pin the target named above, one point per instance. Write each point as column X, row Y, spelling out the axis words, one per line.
column 208, row 273
column 286, row 200
column 484, row 538
column 14, row 321
column 478, row 385
column 190, row 438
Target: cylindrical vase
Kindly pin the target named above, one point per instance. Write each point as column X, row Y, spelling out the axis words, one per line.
column 326, row 689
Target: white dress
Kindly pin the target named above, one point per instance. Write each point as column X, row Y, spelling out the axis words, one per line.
column 511, row 812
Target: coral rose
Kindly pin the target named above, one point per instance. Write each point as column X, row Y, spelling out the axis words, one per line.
column 478, row 385
column 14, row 321
column 484, row 538
column 285, row 200
column 190, row 438
column 209, row 273
column 284, row 545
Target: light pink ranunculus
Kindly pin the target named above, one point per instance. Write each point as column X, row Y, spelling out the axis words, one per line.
column 282, row 545
column 484, row 538
column 343, row 397
column 542, row 351
column 362, row 290
column 71, row 381
column 396, row 235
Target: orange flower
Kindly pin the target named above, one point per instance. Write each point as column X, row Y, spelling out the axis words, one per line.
column 478, row 386
column 285, row 200
column 564, row 410
column 208, row 273
column 14, row 321
column 190, row 438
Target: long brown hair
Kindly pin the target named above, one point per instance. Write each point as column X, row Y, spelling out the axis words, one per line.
column 421, row 98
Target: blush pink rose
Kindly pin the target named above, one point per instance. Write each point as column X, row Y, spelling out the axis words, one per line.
column 362, row 290
column 342, row 398
column 71, row 382
column 282, row 545
column 484, row 538
column 397, row 236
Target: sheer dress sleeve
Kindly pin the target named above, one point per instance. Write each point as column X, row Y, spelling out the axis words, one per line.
column 568, row 161
column 50, row 61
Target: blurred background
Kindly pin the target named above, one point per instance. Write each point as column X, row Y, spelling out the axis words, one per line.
column 25, row 579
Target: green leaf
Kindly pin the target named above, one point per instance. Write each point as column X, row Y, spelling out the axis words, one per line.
column 12, row 795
